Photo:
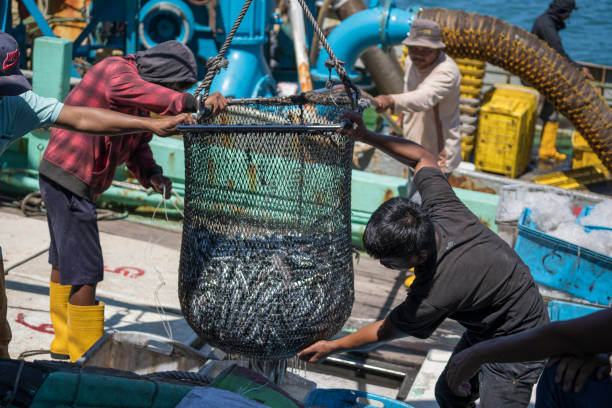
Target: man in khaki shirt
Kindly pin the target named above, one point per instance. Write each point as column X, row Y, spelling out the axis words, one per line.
column 430, row 102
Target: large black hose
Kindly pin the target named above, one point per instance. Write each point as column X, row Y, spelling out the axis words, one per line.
column 490, row 39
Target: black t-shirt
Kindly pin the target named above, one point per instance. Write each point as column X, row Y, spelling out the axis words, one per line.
column 479, row 281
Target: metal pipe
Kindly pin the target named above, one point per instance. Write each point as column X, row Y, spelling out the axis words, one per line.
column 360, row 31
column 310, row 128
column 298, row 32
column 365, row 365
column 384, row 69
column 26, row 180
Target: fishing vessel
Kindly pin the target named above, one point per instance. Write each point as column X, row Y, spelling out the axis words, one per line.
column 267, row 53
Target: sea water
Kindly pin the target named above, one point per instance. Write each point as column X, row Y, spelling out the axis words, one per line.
column 586, row 38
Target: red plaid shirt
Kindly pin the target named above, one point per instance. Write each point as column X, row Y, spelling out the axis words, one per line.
column 113, row 84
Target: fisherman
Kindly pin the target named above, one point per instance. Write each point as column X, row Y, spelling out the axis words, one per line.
column 76, row 169
column 578, row 374
column 22, row 110
column 430, row 101
column 463, row 271
column 546, row 27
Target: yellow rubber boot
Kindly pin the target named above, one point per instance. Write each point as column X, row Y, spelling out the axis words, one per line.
column 548, row 150
column 85, row 327
column 58, row 309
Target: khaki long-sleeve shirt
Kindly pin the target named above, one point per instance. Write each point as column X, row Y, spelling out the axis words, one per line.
column 423, row 90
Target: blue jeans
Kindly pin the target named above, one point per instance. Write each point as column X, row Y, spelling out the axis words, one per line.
column 594, row 394
column 506, row 385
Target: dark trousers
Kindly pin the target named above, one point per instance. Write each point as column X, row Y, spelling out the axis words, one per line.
column 75, row 242
column 548, row 113
column 497, row 385
column 594, row 394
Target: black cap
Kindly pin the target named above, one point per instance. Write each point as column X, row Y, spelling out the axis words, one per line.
column 12, row 81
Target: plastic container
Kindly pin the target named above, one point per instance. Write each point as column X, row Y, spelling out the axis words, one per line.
column 572, row 179
column 141, row 353
column 564, row 266
column 588, row 228
column 343, row 398
column 560, row 310
column 469, row 91
column 584, row 156
column 505, row 131
column 507, row 216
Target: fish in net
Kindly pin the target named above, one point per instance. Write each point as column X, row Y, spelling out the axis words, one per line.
column 266, row 257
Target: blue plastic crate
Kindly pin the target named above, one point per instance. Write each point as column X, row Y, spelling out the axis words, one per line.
column 588, row 228
column 343, row 398
column 564, row 266
column 560, row 310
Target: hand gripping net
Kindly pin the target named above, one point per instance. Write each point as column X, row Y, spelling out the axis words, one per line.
column 266, row 264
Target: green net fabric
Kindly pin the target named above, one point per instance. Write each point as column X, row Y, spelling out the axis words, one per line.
column 266, row 265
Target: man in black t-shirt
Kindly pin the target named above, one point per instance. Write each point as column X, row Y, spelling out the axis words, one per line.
column 463, row 271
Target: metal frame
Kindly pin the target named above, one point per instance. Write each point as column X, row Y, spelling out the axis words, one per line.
column 310, row 128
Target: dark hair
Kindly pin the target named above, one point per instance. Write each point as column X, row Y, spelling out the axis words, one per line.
column 399, row 228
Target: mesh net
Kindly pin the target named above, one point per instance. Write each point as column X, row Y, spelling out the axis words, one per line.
column 266, row 264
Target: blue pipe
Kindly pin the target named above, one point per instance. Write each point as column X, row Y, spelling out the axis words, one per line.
column 247, row 74
column 361, row 30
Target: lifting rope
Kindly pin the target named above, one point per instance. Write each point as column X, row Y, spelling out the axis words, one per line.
column 215, row 64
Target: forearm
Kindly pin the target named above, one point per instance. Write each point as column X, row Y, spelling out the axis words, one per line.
column 405, row 151
column 369, row 335
column 101, row 121
column 414, row 101
column 576, row 337
column 532, row 345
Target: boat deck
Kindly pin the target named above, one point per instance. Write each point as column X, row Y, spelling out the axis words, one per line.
column 141, row 275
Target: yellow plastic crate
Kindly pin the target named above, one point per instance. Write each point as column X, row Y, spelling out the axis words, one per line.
column 572, row 179
column 469, row 91
column 471, row 81
column 470, row 70
column 505, row 131
column 584, row 155
column 466, row 152
column 519, row 92
column 467, row 145
column 468, row 110
column 470, row 62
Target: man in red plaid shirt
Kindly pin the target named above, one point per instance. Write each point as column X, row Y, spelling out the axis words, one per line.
column 77, row 168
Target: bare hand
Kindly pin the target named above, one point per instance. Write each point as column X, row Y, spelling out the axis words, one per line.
column 161, row 184
column 461, row 368
column 384, row 102
column 217, row 102
column 166, row 126
column 316, row 352
column 587, row 73
column 358, row 131
column 577, row 370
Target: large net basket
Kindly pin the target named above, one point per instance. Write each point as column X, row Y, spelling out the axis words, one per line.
column 266, row 264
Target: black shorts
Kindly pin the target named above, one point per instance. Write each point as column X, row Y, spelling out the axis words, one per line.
column 75, row 241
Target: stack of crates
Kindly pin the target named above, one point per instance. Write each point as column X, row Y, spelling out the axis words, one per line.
column 472, row 74
column 505, row 130
column 584, row 155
